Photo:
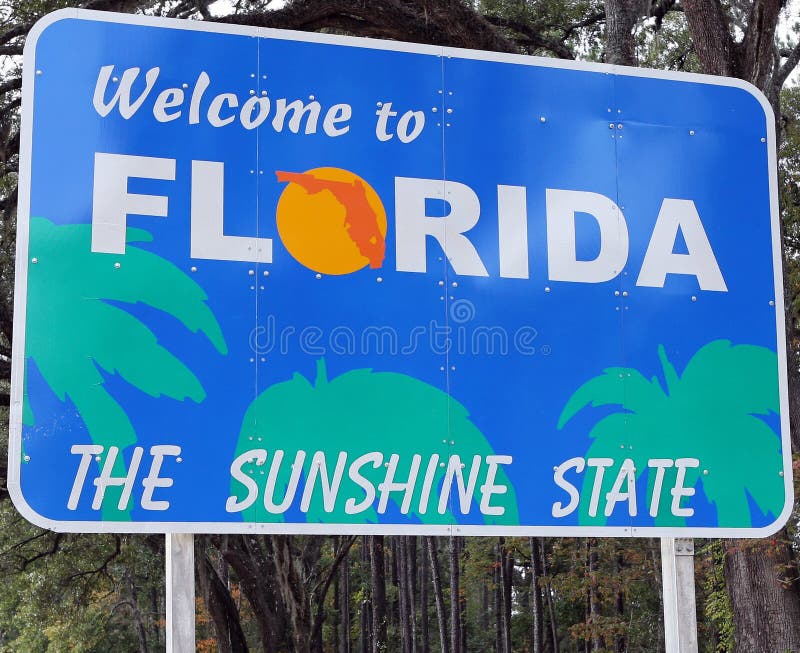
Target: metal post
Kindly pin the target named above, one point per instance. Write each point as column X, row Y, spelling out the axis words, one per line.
column 680, row 613
column 180, row 593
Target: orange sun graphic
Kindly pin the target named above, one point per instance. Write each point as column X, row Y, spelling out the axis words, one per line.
column 331, row 220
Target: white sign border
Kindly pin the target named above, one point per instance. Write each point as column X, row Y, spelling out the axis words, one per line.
column 20, row 296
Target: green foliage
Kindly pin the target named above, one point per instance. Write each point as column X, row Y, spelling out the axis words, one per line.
column 714, row 600
column 73, row 592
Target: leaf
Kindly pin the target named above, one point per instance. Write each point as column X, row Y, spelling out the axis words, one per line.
column 616, row 386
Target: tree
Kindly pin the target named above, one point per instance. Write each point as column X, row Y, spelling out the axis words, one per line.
column 721, row 394
column 710, row 36
column 72, row 357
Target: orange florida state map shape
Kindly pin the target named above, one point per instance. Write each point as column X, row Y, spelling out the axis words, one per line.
column 331, row 220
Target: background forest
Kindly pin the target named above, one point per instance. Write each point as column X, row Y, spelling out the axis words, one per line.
column 348, row 594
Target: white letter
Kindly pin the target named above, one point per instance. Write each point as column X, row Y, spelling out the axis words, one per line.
column 626, row 473
column 660, row 465
column 112, row 203
column 600, row 464
column 660, row 260
column 153, row 481
column 559, row 509
column 388, row 485
column 291, row 487
column 402, row 126
column 464, row 492
column 337, row 113
column 350, row 506
column 512, row 222
column 413, row 225
column 123, row 92
column 562, row 257
column 427, row 483
column 200, row 87
column 246, row 114
column 216, row 106
column 171, row 97
column 87, row 451
column 298, row 110
column 259, row 456
column 679, row 491
column 330, row 488
column 105, row 479
column 208, row 239
column 489, row 488
column 383, row 117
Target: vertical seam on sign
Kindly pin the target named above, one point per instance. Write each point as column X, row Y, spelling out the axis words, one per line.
column 257, row 266
column 446, row 277
column 617, row 120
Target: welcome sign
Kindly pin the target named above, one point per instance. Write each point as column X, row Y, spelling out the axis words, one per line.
column 282, row 282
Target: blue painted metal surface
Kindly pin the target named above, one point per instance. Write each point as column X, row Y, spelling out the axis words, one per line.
column 465, row 361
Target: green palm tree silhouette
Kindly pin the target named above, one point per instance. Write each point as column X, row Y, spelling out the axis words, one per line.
column 710, row 412
column 73, row 332
column 359, row 412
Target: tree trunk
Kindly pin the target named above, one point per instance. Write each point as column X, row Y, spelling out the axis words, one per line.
column 141, row 631
column 620, row 643
column 378, row 586
column 438, row 596
column 220, row 605
column 344, row 605
column 293, row 591
column 498, row 599
column 365, row 642
column 594, row 596
column 506, row 567
column 537, row 615
column 761, row 578
column 455, row 588
column 551, row 609
column 411, row 575
column 621, row 17
column 423, row 601
column 462, row 595
column 402, row 587
column 252, row 560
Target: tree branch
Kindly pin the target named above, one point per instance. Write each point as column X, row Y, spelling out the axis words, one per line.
column 533, row 37
column 320, row 595
column 792, row 59
column 448, row 22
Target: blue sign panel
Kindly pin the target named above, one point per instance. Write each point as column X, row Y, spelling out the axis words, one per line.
column 281, row 282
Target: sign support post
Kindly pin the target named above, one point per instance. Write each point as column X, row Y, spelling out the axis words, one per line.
column 680, row 612
column 180, row 592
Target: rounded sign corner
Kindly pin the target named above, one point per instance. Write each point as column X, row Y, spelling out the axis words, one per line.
column 39, row 27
